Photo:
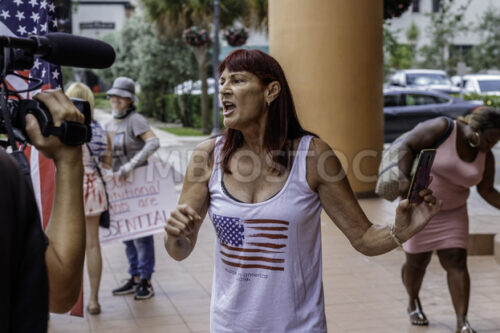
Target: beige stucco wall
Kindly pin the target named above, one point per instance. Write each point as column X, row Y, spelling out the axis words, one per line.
column 331, row 52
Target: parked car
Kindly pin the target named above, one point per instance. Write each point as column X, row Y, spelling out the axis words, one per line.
column 425, row 79
column 194, row 88
column 405, row 108
column 482, row 84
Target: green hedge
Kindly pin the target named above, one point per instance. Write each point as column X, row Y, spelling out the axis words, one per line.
column 101, row 101
column 168, row 108
column 171, row 108
column 493, row 101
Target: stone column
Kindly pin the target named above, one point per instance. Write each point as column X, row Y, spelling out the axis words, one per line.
column 331, row 52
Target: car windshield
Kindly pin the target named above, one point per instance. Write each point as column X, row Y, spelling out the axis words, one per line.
column 489, row 85
column 426, row 79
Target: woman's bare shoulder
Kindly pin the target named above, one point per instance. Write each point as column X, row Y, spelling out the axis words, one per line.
column 207, row 145
column 318, row 146
column 427, row 133
column 321, row 161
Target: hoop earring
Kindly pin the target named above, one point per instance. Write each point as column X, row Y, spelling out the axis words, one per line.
column 478, row 140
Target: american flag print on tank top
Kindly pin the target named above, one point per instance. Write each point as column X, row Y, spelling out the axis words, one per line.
column 257, row 243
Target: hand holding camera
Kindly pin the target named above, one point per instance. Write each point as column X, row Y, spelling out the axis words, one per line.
column 62, row 110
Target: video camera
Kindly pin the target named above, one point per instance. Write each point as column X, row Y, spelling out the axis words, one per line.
column 71, row 133
column 57, row 48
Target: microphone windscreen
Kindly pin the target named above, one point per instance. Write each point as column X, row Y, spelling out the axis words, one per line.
column 77, row 51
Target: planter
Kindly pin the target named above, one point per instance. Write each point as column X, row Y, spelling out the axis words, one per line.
column 196, row 36
column 236, row 36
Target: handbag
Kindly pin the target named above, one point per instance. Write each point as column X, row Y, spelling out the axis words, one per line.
column 104, row 220
column 389, row 173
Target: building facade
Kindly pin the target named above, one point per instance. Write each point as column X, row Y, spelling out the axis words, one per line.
column 419, row 14
column 94, row 18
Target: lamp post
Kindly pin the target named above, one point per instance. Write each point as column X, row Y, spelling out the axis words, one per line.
column 216, row 129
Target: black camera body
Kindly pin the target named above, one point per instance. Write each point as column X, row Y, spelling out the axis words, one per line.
column 70, row 133
column 18, row 53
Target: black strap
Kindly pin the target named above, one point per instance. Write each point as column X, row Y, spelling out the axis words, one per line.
column 92, row 156
column 446, row 134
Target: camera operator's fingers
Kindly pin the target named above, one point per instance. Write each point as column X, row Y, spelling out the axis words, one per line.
column 33, row 130
column 60, row 106
column 72, row 112
column 51, row 146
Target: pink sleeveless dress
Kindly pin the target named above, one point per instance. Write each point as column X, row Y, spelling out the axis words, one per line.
column 452, row 179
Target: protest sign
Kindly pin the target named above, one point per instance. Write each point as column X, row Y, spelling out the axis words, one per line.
column 140, row 205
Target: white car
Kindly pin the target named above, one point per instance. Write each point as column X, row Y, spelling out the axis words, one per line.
column 194, row 88
column 482, row 84
column 425, row 79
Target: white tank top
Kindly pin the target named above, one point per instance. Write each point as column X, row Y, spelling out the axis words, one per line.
column 267, row 275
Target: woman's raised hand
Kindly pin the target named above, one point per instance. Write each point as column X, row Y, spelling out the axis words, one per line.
column 413, row 217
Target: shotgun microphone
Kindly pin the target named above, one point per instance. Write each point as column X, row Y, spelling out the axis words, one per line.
column 65, row 49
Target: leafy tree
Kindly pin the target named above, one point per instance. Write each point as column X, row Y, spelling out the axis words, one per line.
column 257, row 17
column 172, row 17
column 127, row 45
column 486, row 55
column 445, row 25
column 412, row 34
column 156, row 62
column 396, row 55
column 164, row 66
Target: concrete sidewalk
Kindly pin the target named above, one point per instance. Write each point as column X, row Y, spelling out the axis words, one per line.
column 362, row 294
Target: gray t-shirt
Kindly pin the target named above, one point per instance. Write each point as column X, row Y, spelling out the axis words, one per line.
column 126, row 134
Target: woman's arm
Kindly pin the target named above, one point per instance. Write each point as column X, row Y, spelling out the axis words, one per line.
column 424, row 135
column 65, row 253
column 151, row 144
column 147, row 135
column 486, row 187
column 107, row 158
column 185, row 221
column 341, row 205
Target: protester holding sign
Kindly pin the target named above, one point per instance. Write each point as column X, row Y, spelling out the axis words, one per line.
column 133, row 143
column 264, row 183
column 97, row 154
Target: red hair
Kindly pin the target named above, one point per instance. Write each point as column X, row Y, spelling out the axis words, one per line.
column 282, row 122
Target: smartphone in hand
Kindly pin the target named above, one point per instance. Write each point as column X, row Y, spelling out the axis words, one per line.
column 420, row 179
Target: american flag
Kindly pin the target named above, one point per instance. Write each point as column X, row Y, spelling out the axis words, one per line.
column 253, row 243
column 22, row 18
column 37, row 17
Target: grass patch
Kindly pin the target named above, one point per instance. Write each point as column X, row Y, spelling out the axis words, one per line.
column 184, row 131
column 101, row 102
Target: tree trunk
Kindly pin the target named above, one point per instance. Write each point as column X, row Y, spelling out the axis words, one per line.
column 182, row 112
column 202, row 59
column 163, row 107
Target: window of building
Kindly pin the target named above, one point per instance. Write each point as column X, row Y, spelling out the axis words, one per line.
column 435, row 5
column 416, row 6
column 460, row 52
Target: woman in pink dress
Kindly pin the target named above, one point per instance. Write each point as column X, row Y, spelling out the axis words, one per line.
column 463, row 160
